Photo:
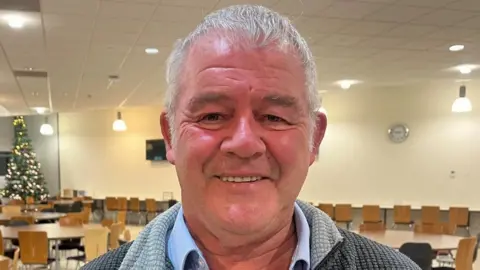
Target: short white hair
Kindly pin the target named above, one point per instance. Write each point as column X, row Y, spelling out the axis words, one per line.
column 251, row 23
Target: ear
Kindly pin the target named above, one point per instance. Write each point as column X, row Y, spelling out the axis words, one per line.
column 165, row 126
column 321, row 126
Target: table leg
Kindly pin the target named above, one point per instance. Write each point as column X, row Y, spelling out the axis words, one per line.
column 57, row 255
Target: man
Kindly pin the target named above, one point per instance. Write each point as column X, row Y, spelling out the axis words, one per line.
column 241, row 127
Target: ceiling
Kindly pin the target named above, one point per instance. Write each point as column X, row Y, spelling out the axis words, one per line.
column 62, row 58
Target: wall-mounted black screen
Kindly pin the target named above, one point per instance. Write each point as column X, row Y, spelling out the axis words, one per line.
column 4, row 156
column 156, row 150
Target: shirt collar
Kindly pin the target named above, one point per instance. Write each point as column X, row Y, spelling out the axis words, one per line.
column 181, row 243
column 301, row 257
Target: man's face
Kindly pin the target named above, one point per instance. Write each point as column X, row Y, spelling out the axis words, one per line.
column 242, row 135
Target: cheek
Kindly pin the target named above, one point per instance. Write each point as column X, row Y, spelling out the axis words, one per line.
column 287, row 148
column 194, row 147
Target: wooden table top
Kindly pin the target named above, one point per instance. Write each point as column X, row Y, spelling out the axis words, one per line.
column 64, row 202
column 395, row 239
column 36, row 215
column 54, row 231
column 4, row 262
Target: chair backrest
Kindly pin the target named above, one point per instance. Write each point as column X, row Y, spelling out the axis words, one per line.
column 449, row 228
column 95, row 242
column 70, row 221
column 12, row 209
column 328, row 209
column 4, row 263
column 122, row 203
column 34, row 246
column 420, row 253
column 343, row 212
column 107, row 223
column 2, row 250
column 122, row 216
column 115, row 231
column 67, row 193
column 371, row 213
column 151, row 205
column 430, row 214
column 402, row 214
column 464, row 257
column 127, row 236
column 458, row 215
column 372, row 227
column 111, row 203
column 29, row 219
column 134, row 204
column 77, row 206
column 30, row 200
column 428, row 228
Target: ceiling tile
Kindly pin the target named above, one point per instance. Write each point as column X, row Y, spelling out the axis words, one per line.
column 455, row 33
column 164, row 33
column 342, row 40
column 397, row 14
column 409, row 30
column 178, row 14
column 470, row 23
column 126, row 10
column 313, row 25
column 383, row 42
column 425, row 3
column 425, row 44
column 350, row 9
column 301, row 7
column 24, row 61
column 207, row 4
column 112, row 38
column 83, row 7
column 137, row 1
column 104, row 25
column 367, row 28
column 227, row 3
column 443, row 17
column 467, row 5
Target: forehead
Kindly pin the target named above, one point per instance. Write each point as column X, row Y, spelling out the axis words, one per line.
column 217, row 51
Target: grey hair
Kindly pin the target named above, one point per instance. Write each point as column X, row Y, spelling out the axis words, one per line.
column 253, row 23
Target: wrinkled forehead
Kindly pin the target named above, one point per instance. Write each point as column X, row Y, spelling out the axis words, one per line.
column 223, row 47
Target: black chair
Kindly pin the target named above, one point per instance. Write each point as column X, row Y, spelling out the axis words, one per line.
column 420, row 253
column 77, row 206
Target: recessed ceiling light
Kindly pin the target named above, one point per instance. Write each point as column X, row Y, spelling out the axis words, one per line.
column 465, row 69
column 40, row 110
column 456, row 48
column 346, row 84
column 15, row 21
column 151, row 50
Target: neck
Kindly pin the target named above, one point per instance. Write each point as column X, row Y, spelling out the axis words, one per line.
column 265, row 250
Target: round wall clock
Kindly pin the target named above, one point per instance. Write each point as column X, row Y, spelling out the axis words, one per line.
column 398, row 133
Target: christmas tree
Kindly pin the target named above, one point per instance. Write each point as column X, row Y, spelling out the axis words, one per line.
column 23, row 178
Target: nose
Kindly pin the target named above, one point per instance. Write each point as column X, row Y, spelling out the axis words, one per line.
column 244, row 141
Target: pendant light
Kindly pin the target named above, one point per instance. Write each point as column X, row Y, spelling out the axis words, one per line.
column 462, row 103
column 119, row 124
column 46, row 129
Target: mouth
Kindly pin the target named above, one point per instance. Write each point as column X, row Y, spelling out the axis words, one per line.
column 240, row 179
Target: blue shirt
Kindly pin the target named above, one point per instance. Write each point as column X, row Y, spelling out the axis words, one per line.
column 185, row 254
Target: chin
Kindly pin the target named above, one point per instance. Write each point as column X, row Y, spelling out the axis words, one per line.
column 244, row 218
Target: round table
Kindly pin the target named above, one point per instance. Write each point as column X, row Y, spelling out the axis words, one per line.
column 396, row 239
column 36, row 215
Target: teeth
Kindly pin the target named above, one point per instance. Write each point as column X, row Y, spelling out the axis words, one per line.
column 240, row 179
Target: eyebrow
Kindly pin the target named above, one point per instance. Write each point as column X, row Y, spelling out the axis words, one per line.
column 281, row 100
column 198, row 102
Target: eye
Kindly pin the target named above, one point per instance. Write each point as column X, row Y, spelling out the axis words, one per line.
column 273, row 118
column 211, row 117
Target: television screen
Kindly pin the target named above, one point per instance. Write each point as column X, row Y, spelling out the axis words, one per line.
column 4, row 156
column 156, row 150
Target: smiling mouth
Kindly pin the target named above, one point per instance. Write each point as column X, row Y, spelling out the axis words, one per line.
column 240, row 179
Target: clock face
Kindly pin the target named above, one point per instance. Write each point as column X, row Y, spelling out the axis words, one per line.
column 398, row 133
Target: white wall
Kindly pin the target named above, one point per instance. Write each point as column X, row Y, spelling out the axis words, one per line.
column 357, row 163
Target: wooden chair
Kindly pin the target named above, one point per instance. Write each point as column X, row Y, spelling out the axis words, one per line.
column 96, row 244
column 372, row 227
column 151, row 205
column 34, row 247
column 343, row 214
column 122, row 216
column 134, row 209
column 111, row 205
column 371, row 214
column 122, row 204
column 328, row 209
column 461, row 217
column 464, row 256
column 71, row 220
column 107, row 223
column 115, row 232
column 430, row 214
column 127, row 236
column 4, row 263
column 402, row 215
